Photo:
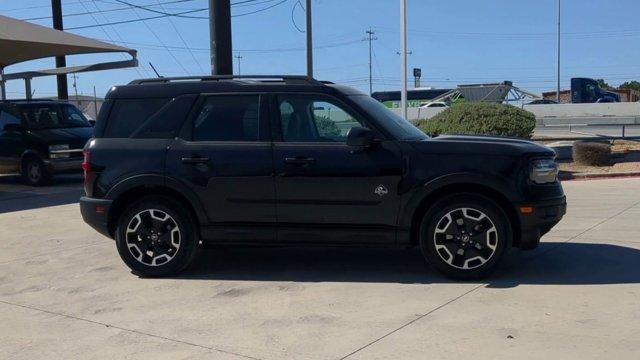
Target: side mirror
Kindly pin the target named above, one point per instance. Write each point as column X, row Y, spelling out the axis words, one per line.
column 360, row 137
column 92, row 122
column 13, row 128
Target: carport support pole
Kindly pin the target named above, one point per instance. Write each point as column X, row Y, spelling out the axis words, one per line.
column 63, row 90
column 3, row 89
column 27, row 87
column 220, row 33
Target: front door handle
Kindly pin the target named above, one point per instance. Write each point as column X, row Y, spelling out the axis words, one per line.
column 195, row 160
column 299, row 160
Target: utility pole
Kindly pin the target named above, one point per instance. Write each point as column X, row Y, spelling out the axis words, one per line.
column 95, row 104
column 558, row 88
column 309, row 40
column 239, row 57
column 220, row 33
column 370, row 37
column 403, row 56
column 56, row 10
column 75, row 86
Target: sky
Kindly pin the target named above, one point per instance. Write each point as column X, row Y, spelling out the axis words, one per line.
column 453, row 42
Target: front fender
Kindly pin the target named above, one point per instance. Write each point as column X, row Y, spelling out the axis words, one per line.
column 462, row 180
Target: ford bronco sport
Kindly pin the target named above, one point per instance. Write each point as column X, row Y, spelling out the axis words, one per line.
column 289, row 160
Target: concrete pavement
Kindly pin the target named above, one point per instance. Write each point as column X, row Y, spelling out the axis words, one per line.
column 64, row 293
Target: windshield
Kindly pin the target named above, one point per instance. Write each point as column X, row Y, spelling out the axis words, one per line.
column 399, row 128
column 52, row 116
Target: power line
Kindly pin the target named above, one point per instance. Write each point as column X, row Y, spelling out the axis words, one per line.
column 183, row 41
column 178, row 14
column 261, row 10
column 293, row 19
column 177, row 61
column 130, row 21
column 88, row 12
column 275, row 50
column 146, row 8
column 105, row 32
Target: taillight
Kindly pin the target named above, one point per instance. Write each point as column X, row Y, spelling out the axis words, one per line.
column 86, row 162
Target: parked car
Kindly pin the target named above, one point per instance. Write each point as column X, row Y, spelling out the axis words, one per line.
column 542, row 102
column 435, row 104
column 41, row 138
column 294, row 161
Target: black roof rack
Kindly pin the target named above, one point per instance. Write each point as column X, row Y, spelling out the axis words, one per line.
column 287, row 79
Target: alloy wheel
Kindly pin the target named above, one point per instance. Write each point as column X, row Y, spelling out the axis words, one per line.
column 465, row 238
column 153, row 237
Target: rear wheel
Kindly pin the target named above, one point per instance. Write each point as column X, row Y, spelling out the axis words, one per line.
column 156, row 237
column 35, row 172
column 464, row 236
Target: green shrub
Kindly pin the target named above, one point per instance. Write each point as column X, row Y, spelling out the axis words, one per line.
column 591, row 153
column 326, row 126
column 481, row 118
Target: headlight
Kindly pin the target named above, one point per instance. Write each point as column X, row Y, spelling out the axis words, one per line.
column 58, row 151
column 543, row 171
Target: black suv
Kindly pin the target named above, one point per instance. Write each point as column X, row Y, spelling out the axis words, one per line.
column 41, row 138
column 294, row 161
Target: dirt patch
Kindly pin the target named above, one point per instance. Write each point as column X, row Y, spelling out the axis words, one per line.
column 625, row 159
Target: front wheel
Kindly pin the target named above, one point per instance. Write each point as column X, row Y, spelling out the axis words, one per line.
column 35, row 172
column 464, row 236
column 156, row 237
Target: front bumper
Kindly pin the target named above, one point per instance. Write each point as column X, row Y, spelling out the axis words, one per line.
column 95, row 212
column 545, row 215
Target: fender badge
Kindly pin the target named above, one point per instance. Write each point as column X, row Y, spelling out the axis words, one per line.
column 381, row 190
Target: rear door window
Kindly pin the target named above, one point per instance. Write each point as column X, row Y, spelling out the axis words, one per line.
column 228, row 118
column 127, row 115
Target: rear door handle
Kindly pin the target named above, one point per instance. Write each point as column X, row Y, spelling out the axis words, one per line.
column 299, row 160
column 195, row 160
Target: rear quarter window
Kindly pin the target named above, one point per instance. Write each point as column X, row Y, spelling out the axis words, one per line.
column 128, row 115
column 166, row 122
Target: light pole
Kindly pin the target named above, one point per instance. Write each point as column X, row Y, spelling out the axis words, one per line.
column 558, row 88
column 403, row 56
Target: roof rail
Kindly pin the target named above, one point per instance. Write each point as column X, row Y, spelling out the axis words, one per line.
column 28, row 100
column 287, row 79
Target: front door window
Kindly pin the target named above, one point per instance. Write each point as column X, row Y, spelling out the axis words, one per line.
column 306, row 119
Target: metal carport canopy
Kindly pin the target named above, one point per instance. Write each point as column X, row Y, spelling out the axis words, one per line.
column 23, row 41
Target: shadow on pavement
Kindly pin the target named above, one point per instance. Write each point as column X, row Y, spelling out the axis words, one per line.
column 15, row 195
column 552, row 263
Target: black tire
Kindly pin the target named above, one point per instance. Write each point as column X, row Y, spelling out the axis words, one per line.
column 135, row 247
column 448, row 250
column 35, row 172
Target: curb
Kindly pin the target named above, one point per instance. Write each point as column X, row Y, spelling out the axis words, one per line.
column 591, row 176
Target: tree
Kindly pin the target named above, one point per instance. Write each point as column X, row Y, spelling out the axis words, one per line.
column 633, row 85
column 603, row 84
